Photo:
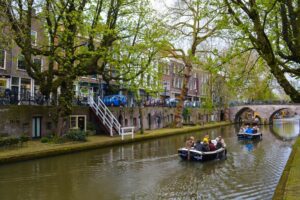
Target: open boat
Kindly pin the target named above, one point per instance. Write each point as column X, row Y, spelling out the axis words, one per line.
column 242, row 135
column 195, row 155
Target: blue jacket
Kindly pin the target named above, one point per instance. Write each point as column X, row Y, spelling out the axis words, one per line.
column 249, row 130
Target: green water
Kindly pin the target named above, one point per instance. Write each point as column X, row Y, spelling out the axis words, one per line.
column 152, row 170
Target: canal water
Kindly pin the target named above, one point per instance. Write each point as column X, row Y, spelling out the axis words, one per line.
column 152, row 170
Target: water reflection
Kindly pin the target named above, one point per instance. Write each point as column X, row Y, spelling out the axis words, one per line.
column 152, row 170
column 286, row 128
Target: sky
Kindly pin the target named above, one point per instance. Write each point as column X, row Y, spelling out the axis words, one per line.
column 160, row 4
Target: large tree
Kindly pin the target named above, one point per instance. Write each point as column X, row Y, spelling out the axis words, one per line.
column 84, row 37
column 272, row 29
column 193, row 21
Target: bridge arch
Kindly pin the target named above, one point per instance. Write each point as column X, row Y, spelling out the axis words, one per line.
column 272, row 115
column 265, row 113
column 238, row 119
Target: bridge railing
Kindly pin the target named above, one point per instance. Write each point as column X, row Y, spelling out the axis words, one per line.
column 256, row 102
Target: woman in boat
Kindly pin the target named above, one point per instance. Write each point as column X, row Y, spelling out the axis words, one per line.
column 189, row 143
column 212, row 147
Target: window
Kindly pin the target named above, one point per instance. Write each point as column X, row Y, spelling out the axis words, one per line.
column 38, row 62
column 78, row 122
column 21, row 62
column 178, row 83
column 33, row 37
column 195, row 84
column 3, row 83
column 166, row 70
column 2, row 59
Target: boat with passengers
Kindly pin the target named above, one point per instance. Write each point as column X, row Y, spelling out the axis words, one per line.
column 195, row 155
column 249, row 133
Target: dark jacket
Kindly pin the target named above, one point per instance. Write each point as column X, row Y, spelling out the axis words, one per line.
column 205, row 147
column 212, row 147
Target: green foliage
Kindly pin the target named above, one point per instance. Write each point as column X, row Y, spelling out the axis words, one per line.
column 185, row 113
column 45, row 140
column 76, row 135
column 10, row 141
column 267, row 28
column 116, row 39
column 24, row 138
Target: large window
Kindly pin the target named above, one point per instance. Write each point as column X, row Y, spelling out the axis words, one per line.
column 78, row 122
column 33, row 37
column 2, row 59
column 21, row 62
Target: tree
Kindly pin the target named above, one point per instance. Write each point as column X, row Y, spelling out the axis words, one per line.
column 272, row 29
column 84, row 37
column 147, row 60
column 246, row 75
column 194, row 21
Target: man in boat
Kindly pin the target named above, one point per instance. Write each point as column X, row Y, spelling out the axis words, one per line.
column 198, row 145
column 255, row 129
column 220, row 142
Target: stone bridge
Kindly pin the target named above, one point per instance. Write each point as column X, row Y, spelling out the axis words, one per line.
column 265, row 112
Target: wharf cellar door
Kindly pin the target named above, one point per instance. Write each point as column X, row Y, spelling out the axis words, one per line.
column 36, row 127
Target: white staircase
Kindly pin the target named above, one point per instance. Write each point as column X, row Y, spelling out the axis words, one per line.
column 108, row 119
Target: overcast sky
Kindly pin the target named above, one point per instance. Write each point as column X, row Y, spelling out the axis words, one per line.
column 160, row 4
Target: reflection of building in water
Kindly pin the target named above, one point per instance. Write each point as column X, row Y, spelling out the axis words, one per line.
column 286, row 128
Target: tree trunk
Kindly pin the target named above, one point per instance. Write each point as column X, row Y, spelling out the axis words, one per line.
column 183, row 94
column 141, row 116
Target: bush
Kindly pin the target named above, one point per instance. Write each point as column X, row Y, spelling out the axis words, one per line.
column 24, row 138
column 10, row 141
column 76, row 135
column 45, row 140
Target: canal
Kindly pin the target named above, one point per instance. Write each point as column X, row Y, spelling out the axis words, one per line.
column 152, row 170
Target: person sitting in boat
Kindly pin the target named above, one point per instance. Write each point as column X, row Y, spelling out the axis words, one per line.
column 189, row 143
column 211, row 145
column 242, row 129
column 198, row 145
column 205, row 145
column 220, row 142
column 255, row 129
column 206, row 137
column 249, row 130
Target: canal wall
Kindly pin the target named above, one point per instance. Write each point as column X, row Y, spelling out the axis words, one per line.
column 16, row 120
column 21, row 120
column 289, row 183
